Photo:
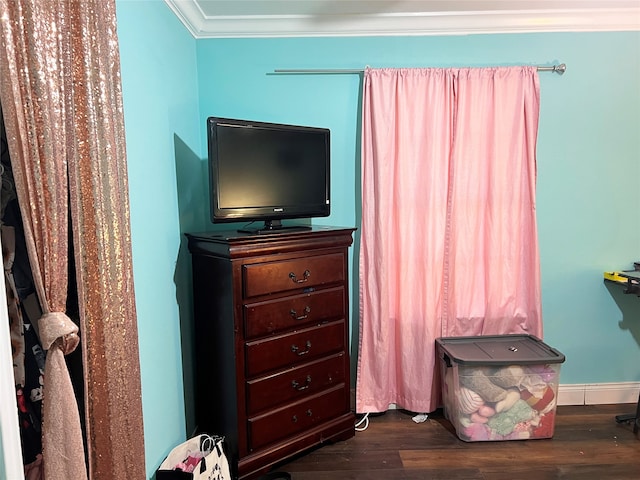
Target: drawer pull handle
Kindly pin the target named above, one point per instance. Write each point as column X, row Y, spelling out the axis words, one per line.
column 294, row 419
column 295, row 348
column 305, row 277
column 297, row 386
column 309, row 413
column 294, row 314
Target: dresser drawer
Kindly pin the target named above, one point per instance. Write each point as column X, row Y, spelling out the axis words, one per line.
column 298, row 417
column 292, row 349
column 268, row 317
column 272, row 277
column 291, row 385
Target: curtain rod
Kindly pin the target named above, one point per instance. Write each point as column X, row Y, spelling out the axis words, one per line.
column 559, row 69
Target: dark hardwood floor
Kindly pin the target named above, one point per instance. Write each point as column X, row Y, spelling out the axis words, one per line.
column 587, row 444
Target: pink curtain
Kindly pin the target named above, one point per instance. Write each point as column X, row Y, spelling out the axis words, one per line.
column 449, row 241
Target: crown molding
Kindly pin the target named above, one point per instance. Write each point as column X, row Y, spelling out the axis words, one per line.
column 594, row 19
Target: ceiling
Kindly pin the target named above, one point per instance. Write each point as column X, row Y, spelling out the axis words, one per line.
column 303, row 18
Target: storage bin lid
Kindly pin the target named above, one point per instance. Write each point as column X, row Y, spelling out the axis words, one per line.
column 498, row 350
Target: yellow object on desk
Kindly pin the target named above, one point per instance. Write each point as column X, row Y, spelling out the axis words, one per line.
column 615, row 277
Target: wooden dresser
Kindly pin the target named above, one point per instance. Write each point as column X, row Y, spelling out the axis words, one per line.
column 271, row 342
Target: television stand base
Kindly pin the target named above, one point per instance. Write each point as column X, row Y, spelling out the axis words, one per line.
column 275, row 227
column 275, row 231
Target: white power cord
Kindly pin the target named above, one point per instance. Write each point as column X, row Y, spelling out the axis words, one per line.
column 419, row 418
column 365, row 420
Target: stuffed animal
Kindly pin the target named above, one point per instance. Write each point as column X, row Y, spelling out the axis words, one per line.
column 545, row 428
column 522, row 431
column 547, row 373
column 478, row 380
column 504, row 423
column 507, row 377
column 472, row 406
column 543, row 403
column 476, row 432
column 469, row 401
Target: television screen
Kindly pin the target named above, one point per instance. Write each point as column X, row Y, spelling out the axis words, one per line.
column 267, row 172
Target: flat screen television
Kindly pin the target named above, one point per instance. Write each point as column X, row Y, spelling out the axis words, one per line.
column 267, row 172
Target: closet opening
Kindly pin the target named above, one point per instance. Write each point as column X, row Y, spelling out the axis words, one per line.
column 24, row 311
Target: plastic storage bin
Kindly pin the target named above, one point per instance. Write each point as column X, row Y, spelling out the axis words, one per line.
column 501, row 387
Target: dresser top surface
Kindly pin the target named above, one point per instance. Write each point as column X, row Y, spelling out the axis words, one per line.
column 227, row 236
column 234, row 244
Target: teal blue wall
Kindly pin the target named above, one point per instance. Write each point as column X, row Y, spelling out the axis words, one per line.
column 588, row 174
column 160, row 91
column 588, row 157
column 588, row 167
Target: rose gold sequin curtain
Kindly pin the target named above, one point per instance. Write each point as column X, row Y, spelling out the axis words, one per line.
column 61, row 96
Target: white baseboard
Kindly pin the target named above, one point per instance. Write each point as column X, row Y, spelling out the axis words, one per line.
column 598, row 393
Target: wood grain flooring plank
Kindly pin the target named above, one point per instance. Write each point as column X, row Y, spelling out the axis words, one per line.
column 587, row 445
column 580, row 453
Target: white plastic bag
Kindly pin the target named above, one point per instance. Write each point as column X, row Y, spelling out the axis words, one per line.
column 199, row 458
